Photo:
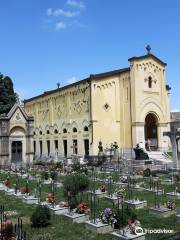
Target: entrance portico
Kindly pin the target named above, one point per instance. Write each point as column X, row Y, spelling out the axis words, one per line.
column 151, row 131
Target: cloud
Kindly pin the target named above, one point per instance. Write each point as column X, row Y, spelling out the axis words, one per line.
column 71, row 80
column 75, row 3
column 175, row 110
column 60, row 25
column 61, row 12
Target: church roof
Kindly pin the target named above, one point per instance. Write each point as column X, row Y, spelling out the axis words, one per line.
column 92, row 76
column 110, row 73
column 147, row 56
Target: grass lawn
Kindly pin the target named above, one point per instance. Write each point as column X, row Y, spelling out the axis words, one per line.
column 62, row 229
column 170, row 153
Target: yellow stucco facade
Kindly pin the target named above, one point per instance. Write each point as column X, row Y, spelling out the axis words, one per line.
column 128, row 106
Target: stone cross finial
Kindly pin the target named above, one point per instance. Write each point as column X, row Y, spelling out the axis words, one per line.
column 58, row 85
column 148, row 48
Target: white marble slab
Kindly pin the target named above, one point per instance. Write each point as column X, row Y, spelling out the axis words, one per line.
column 128, row 236
column 137, row 204
column 173, row 195
column 75, row 217
column 98, row 227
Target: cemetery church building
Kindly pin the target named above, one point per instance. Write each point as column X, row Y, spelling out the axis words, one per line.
column 129, row 106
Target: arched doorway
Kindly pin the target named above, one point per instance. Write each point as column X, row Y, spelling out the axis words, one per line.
column 17, row 144
column 151, row 131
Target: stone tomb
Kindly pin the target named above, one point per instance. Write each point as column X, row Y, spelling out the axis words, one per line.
column 76, row 217
column 154, row 190
column 10, row 191
column 98, row 227
column 18, row 195
column 30, row 199
column 136, row 204
column 173, row 195
column 137, row 187
column 98, row 193
column 2, row 187
column 113, row 199
column 128, row 236
column 166, row 182
column 56, row 209
column 162, row 212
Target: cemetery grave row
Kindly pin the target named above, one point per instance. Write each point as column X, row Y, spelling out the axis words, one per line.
column 108, row 202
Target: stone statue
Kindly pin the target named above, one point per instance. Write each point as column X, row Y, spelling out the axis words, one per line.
column 100, row 147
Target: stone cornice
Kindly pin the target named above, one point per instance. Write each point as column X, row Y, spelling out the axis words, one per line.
column 138, row 124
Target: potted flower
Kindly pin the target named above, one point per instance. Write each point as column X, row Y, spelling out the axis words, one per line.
column 7, row 182
column 171, row 205
column 82, row 208
column 133, row 223
column 107, row 216
column 51, row 198
column 102, row 188
column 6, row 230
column 25, row 190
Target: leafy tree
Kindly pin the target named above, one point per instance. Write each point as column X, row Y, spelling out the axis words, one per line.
column 7, row 95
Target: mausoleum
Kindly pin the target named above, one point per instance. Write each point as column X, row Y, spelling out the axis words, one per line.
column 16, row 136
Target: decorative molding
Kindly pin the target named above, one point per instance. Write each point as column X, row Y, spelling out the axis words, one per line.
column 138, row 124
column 162, row 124
column 106, row 107
column 151, row 92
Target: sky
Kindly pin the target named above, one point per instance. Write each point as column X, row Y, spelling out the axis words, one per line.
column 43, row 42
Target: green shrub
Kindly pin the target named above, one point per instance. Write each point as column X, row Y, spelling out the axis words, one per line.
column 45, row 175
column 147, row 172
column 41, row 217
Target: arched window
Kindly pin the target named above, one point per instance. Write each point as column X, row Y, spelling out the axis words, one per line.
column 56, row 131
column 34, row 133
column 48, row 132
column 150, row 82
column 64, row 130
column 74, row 129
column 86, row 129
column 40, row 132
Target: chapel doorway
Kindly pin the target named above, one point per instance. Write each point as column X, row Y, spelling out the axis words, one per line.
column 16, row 151
column 151, row 132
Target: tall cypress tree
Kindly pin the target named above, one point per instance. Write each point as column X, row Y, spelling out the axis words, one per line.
column 7, row 95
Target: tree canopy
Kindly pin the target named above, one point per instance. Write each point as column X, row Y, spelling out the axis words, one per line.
column 7, row 95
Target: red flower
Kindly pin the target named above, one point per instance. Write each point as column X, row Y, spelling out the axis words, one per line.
column 4, row 224
column 25, row 190
column 82, row 208
column 51, row 198
column 7, row 182
column 82, row 205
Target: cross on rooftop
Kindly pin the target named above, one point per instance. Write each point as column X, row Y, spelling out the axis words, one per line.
column 148, row 48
